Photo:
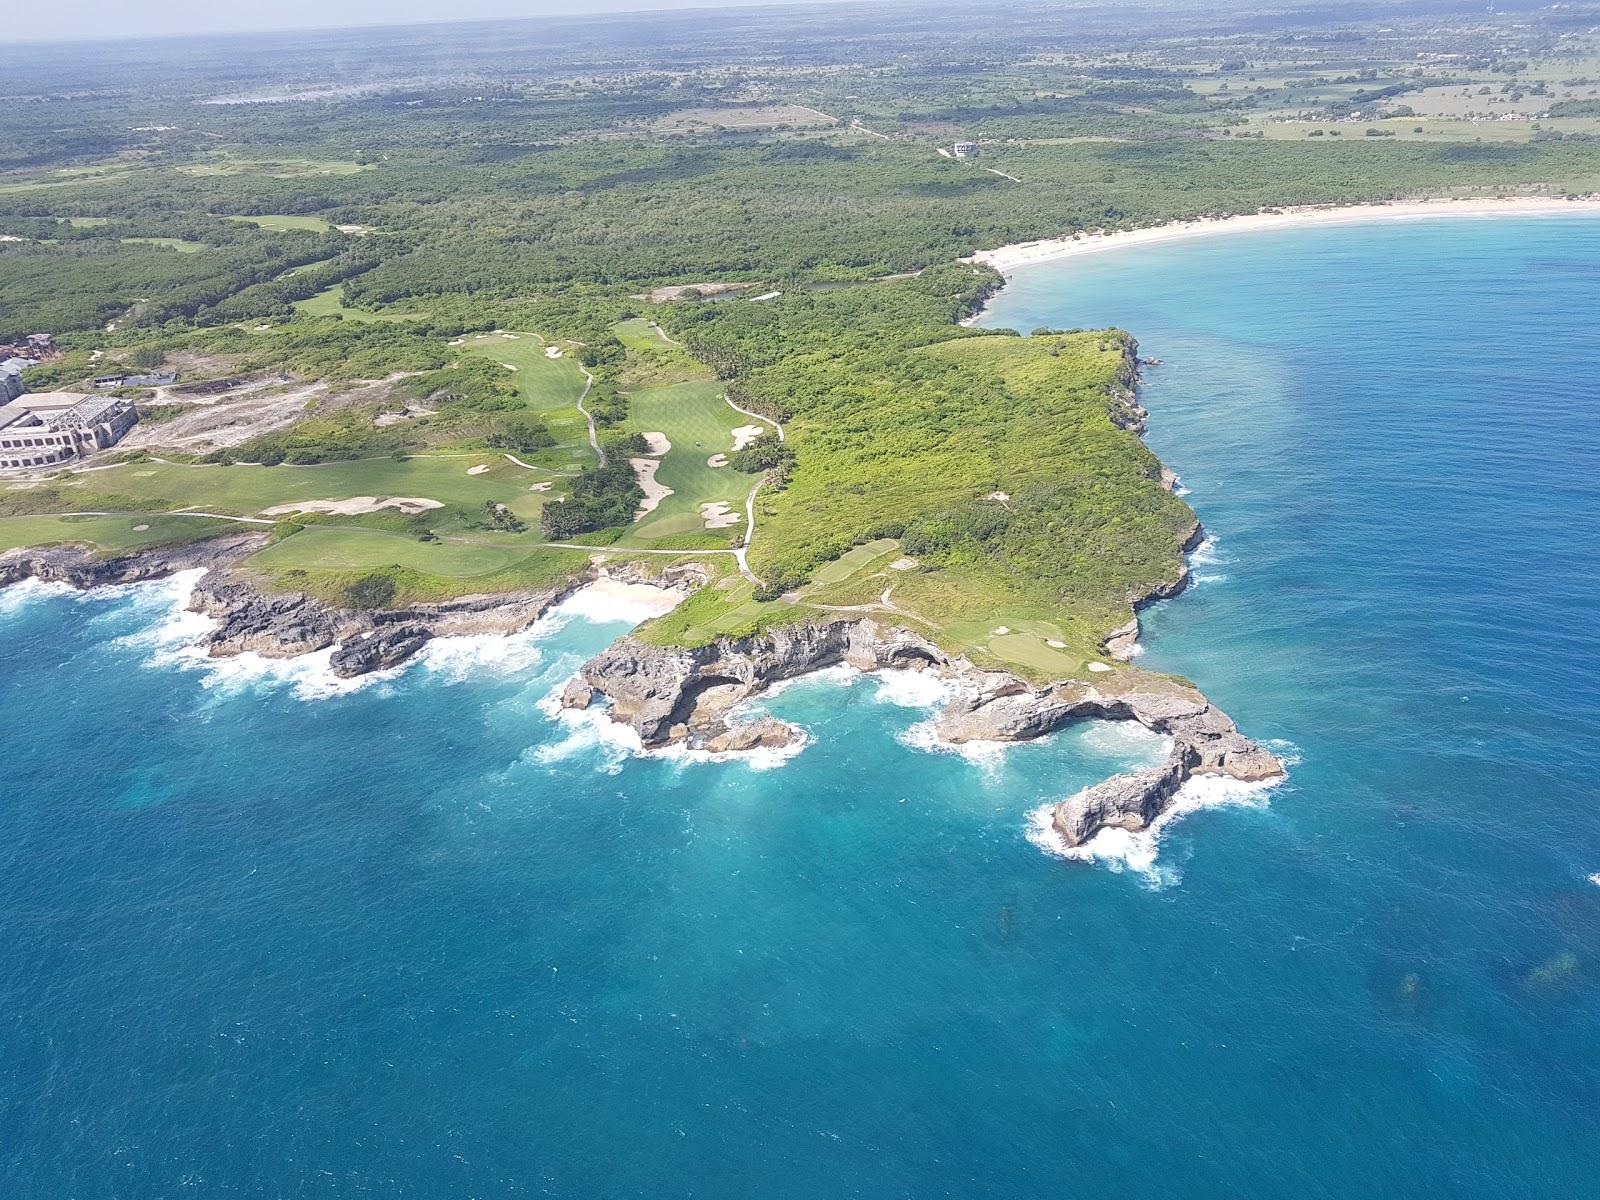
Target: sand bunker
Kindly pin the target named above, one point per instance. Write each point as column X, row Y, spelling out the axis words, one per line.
column 1055, row 645
column 355, row 506
column 717, row 460
column 657, row 442
column 902, row 564
column 511, row 366
column 717, row 516
column 644, row 470
column 140, row 528
column 541, row 487
column 552, row 351
column 1098, row 667
column 746, row 434
column 1002, row 630
column 478, row 470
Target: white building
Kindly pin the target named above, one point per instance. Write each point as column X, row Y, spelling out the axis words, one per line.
column 46, row 428
column 966, row 149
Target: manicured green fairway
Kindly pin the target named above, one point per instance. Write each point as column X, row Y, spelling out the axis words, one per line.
column 549, row 384
column 348, row 548
column 246, row 490
column 328, row 303
column 114, row 535
column 698, row 423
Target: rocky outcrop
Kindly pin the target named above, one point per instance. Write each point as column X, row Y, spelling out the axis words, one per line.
column 252, row 618
column 671, row 695
column 81, row 568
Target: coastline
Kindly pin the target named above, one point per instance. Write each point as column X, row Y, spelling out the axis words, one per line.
column 1009, row 258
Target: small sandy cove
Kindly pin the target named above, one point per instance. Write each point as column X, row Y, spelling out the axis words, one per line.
column 1006, row 259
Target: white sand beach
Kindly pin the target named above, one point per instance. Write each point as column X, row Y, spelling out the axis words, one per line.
column 1006, row 259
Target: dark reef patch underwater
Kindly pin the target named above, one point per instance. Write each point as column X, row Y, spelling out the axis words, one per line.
column 424, row 938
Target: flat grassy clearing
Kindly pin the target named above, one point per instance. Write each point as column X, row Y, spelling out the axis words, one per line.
column 551, row 387
column 325, row 560
column 329, row 303
column 287, row 168
column 88, row 222
column 652, row 360
column 113, row 535
column 283, row 222
column 247, row 490
column 698, row 422
column 352, row 548
column 765, row 116
column 178, row 244
column 723, row 608
column 549, row 384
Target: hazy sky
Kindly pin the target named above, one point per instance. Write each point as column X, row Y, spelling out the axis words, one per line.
column 75, row 19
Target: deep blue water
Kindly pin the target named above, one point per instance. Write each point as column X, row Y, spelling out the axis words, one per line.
column 422, row 940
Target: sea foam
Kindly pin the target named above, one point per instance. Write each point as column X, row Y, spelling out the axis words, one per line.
column 1123, row 850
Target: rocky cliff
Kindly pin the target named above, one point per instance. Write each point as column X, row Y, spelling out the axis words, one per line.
column 253, row 618
column 673, row 695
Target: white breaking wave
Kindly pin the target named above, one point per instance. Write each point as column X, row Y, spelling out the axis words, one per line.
column 912, row 689
column 471, row 656
column 1120, row 849
column 1125, row 740
column 20, row 594
column 1595, row 879
column 839, row 675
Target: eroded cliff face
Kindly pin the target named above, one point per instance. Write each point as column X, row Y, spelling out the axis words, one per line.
column 671, row 695
column 251, row 618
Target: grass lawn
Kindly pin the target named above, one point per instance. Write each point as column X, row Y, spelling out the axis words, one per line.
column 325, row 560
column 551, row 387
column 246, row 491
column 327, row 303
column 351, row 548
column 287, row 168
column 698, row 423
column 114, row 535
column 178, row 244
column 283, row 222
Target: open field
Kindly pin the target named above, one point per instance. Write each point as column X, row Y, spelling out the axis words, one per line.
column 283, row 222
column 551, row 387
column 247, row 491
column 698, row 423
column 753, row 117
column 179, row 244
column 113, row 535
column 288, row 168
column 351, row 548
column 329, row 303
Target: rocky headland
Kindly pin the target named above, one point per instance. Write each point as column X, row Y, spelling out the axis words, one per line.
column 671, row 695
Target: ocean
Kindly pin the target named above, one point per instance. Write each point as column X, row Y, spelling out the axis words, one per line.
column 425, row 937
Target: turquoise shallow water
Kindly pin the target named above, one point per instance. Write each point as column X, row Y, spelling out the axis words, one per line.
column 422, row 940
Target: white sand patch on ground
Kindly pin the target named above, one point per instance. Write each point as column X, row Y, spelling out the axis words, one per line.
column 746, row 434
column 1002, row 630
column 511, row 366
column 140, row 528
column 717, row 515
column 541, row 487
column 717, row 460
column 1099, row 667
column 457, row 342
column 903, row 564
column 355, row 506
column 478, row 470
column 1054, row 644
column 552, row 351
column 657, row 442
column 384, row 420
column 644, row 470
column 608, row 599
